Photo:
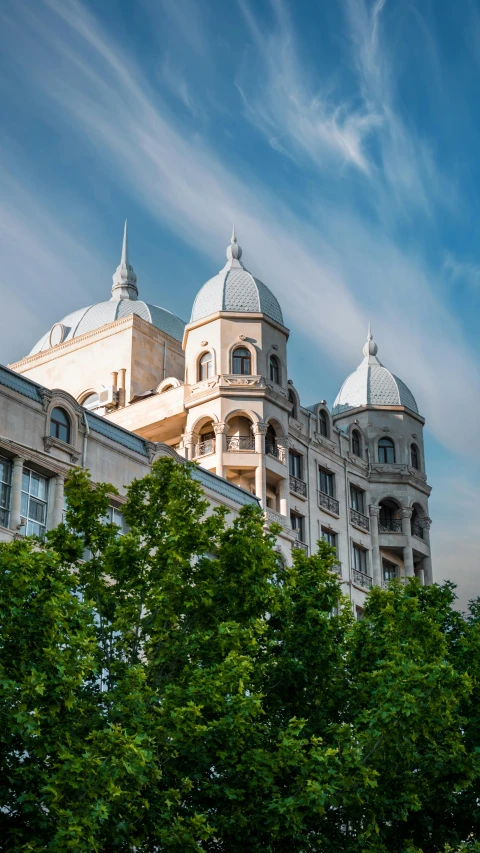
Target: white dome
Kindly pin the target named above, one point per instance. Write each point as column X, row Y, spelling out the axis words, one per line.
column 235, row 289
column 372, row 384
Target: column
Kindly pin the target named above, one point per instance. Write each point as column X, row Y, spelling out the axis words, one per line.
column 421, row 575
column 376, row 561
column 16, row 500
column 189, row 444
column 260, row 431
column 407, row 549
column 220, row 431
column 284, row 493
column 121, row 386
column 57, row 515
column 427, row 561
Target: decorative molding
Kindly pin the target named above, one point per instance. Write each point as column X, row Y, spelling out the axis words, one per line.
column 244, row 381
column 374, row 511
column 46, row 396
column 259, row 429
column 406, row 511
column 151, row 449
column 220, row 428
column 50, row 441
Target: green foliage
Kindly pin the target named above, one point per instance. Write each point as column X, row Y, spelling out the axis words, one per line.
column 174, row 689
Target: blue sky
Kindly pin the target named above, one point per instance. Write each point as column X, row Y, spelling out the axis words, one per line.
column 341, row 137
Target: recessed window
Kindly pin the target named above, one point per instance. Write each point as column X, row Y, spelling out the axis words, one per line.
column 5, row 491
column 415, row 457
column 329, row 536
column 275, row 369
column 115, row 516
column 242, row 362
column 34, row 502
column 323, row 423
column 292, row 400
column 386, row 451
column 326, row 482
column 356, row 443
column 358, row 613
column 60, row 425
column 298, row 523
column 295, row 461
column 357, row 499
column 205, row 367
column 359, row 559
column 389, row 571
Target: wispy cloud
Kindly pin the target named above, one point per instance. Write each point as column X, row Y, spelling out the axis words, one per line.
column 462, row 270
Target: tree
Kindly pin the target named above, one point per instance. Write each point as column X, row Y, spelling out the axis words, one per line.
column 177, row 689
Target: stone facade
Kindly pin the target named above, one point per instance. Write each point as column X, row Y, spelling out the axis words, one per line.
column 354, row 474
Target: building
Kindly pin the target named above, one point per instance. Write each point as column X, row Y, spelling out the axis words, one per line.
column 216, row 390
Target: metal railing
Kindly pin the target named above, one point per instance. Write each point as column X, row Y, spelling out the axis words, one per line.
column 273, row 449
column 204, row 447
column 327, row 502
column 417, row 530
column 337, row 568
column 298, row 486
column 359, row 519
column 392, row 525
column 361, row 579
column 301, row 545
column 238, row 443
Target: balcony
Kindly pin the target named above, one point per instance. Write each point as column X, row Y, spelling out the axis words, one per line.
column 361, row 579
column 359, row 520
column 327, row 502
column 240, row 443
column 203, row 448
column 390, row 525
column 300, row 545
column 298, row 486
column 417, row 530
column 337, row 568
column 273, row 449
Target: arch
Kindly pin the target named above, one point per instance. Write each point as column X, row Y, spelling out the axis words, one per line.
column 274, row 369
column 415, row 457
column 324, row 422
column 417, row 507
column 277, row 427
column 248, row 413
column 294, row 400
column 60, row 424
column 356, row 442
column 241, row 361
column 62, row 400
column 205, row 365
column 167, row 384
column 253, row 356
column 390, row 518
column 386, row 451
column 88, row 392
column 274, row 353
column 201, row 421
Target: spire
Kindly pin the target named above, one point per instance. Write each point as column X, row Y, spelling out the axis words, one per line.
column 124, row 279
column 370, row 348
column 234, row 252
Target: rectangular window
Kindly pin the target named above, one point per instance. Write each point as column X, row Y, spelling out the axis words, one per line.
column 357, row 499
column 329, row 537
column 295, row 464
column 5, row 491
column 358, row 613
column 326, row 482
column 359, row 559
column 34, row 503
column 298, row 523
column 389, row 571
column 115, row 516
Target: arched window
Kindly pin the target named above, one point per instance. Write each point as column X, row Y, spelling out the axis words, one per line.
column 292, row 400
column 323, row 422
column 241, row 361
column 415, row 457
column 205, row 366
column 60, row 425
column 356, row 443
column 386, row 451
column 275, row 369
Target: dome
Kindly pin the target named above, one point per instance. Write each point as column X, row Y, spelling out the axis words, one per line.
column 123, row 303
column 372, row 384
column 235, row 289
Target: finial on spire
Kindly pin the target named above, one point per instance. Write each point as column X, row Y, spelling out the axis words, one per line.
column 234, row 251
column 370, row 348
column 124, row 279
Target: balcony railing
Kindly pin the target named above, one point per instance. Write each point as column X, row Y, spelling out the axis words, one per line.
column 390, row 525
column 361, row 579
column 359, row 519
column 298, row 486
column 301, row 545
column 239, row 443
column 205, row 447
column 327, row 502
column 337, row 568
column 417, row 530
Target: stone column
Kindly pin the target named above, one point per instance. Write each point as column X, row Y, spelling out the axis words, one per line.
column 284, row 494
column 57, row 515
column 220, row 431
column 421, row 575
column 16, row 500
column 121, row 386
column 407, row 550
column 427, row 561
column 260, row 431
column 376, row 561
column 189, row 444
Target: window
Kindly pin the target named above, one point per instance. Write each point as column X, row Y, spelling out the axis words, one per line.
column 295, row 464
column 387, row 516
column 241, row 362
column 357, row 499
column 298, row 523
column 329, row 537
column 389, row 571
column 115, row 516
column 292, row 400
column 60, row 425
column 326, row 482
column 34, row 503
column 205, row 367
column 5, row 491
column 323, row 422
column 356, row 443
column 358, row 613
column 359, row 559
column 275, row 369
column 386, row 451
column 414, row 455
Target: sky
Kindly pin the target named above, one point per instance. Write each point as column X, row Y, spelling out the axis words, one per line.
column 342, row 138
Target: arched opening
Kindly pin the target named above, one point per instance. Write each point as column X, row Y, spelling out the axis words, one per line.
column 417, row 521
column 91, row 401
column 271, row 446
column 386, row 451
column 323, row 423
column 60, row 426
column 239, row 434
column 274, row 369
column 167, row 388
column 356, row 443
column 293, row 401
column 389, row 521
column 241, row 362
column 415, row 457
column 205, row 366
column 206, row 440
